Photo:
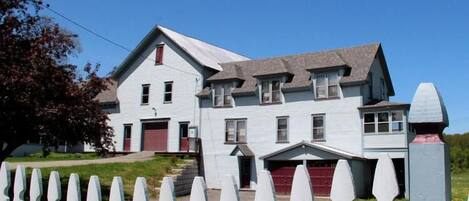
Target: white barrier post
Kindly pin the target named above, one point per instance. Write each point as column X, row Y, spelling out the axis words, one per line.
column 198, row 190
column 94, row 189
column 385, row 187
column 35, row 189
column 265, row 190
column 167, row 190
column 5, row 179
column 301, row 187
column 19, row 187
column 54, row 191
column 117, row 190
column 342, row 183
column 73, row 189
column 229, row 189
column 140, row 190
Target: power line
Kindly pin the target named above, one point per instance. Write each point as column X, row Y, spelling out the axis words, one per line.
column 107, row 39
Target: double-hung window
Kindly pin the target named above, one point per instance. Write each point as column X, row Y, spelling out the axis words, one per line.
column 222, row 95
column 168, row 92
column 382, row 89
column 318, row 124
column 327, row 85
column 282, row 129
column 235, row 130
column 383, row 122
column 270, row 91
column 145, row 94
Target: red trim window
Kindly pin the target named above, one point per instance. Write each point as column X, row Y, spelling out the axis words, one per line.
column 159, row 54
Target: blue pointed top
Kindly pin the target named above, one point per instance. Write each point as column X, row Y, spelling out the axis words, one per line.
column 428, row 106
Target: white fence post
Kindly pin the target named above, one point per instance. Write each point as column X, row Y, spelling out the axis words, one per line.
column 54, row 191
column 198, row 190
column 342, row 183
column 73, row 189
column 5, row 179
column 35, row 187
column 229, row 189
column 265, row 190
column 167, row 190
column 19, row 187
column 301, row 186
column 117, row 190
column 94, row 189
column 385, row 187
column 140, row 190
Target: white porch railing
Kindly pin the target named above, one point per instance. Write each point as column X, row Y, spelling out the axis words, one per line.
column 385, row 186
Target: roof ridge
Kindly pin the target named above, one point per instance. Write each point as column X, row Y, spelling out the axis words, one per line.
column 197, row 39
column 334, row 50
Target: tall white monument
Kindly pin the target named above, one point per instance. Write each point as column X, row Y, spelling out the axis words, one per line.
column 429, row 165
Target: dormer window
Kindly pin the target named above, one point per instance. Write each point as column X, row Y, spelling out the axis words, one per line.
column 222, row 95
column 159, row 54
column 327, row 85
column 270, row 91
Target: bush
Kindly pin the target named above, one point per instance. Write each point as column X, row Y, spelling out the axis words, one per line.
column 459, row 151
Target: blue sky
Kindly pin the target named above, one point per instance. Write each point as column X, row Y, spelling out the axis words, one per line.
column 423, row 41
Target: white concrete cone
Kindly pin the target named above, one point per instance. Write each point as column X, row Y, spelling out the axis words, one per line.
column 167, row 190
column 140, row 190
column 94, row 189
column 54, row 192
column 35, row 192
column 19, row 188
column 229, row 189
column 5, row 179
column 265, row 190
column 385, row 187
column 342, row 183
column 73, row 189
column 301, row 186
column 199, row 190
column 117, row 190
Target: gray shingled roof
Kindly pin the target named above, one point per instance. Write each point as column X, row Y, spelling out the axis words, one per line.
column 385, row 104
column 358, row 59
column 108, row 96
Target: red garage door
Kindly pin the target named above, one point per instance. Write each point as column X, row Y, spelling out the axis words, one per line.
column 155, row 136
column 321, row 173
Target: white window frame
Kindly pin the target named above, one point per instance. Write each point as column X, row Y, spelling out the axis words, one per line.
column 223, row 94
column 236, row 133
column 270, row 91
column 389, row 122
column 323, row 127
column 327, row 85
column 145, row 95
column 168, row 92
column 287, row 118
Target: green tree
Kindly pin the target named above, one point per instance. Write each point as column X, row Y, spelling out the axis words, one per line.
column 40, row 94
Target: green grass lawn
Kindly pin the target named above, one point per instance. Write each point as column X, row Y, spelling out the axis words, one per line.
column 152, row 170
column 460, row 186
column 53, row 156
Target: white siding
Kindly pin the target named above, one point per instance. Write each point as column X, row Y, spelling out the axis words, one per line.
column 184, row 106
column 342, row 131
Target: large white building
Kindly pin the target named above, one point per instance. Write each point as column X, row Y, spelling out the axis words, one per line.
column 274, row 113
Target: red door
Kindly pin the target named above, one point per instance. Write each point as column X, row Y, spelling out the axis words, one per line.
column 282, row 174
column 321, row 173
column 155, row 136
column 245, row 171
column 321, row 177
column 183, row 137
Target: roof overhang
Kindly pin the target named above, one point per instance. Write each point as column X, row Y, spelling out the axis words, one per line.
column 242, row 150
column 309, row 151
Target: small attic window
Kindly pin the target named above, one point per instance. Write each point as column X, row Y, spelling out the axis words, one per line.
column 159, row 54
